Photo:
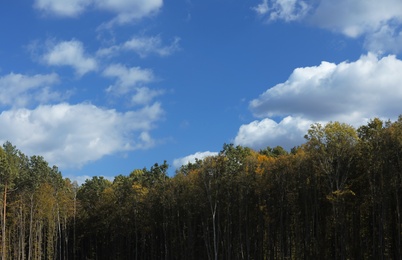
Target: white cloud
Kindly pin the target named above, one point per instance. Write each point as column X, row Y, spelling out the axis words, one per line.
column 125, row 10
column 70, row 53
column 288, row 133
column 145, row 95
column 68, row 8
column 128, row 79
column 368, row 18
column 145, row 46
column 288, row 10
column 129, row 10
column 357, row 17
column 349, row 92
column 262, row 8
column 73, row 135
column 108, row 52
column 368, row 87
column 19, row 90
column 386, row 39
column 79, row 179
column 83, row 178
column 177, row 163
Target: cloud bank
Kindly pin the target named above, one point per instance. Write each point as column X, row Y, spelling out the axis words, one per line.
column 71, row 135
column 350, row 92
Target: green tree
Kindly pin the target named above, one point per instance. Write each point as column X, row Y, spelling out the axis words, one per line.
column 332, row 149
column 8, row 172
column 274, row 152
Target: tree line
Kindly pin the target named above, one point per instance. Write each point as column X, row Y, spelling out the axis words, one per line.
column 337, row 196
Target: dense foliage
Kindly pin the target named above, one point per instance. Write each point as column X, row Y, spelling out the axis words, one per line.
column 338, row 196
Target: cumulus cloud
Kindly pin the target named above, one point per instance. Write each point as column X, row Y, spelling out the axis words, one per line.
column 19, row 90
column 349, row 92
column 370, row 19
column 287, row 133
column 70, row 53
column 125, row 10
column 73, row 135
column 364, row 88
column 177, row 163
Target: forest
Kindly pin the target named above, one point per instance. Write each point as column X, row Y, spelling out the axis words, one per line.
column 337, row 196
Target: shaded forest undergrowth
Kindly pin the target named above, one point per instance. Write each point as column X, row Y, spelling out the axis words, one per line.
column 337, row 196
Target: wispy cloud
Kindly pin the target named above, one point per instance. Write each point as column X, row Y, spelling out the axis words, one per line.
column 143, row 46
column 128, row 10
column 262, row 8
column 70, row 8
column 288, row 10
column 125, row 10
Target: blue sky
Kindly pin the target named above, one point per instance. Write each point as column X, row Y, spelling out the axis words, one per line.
column 103, row 87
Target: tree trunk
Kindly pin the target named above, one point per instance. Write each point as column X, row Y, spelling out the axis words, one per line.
column 3, row 229
column 30, row 230
column 22, row 233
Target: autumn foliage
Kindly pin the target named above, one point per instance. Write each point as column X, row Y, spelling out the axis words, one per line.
column 337, row 196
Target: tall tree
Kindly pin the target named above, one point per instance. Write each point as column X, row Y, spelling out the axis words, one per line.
column 8, row 171
column 332, row 148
